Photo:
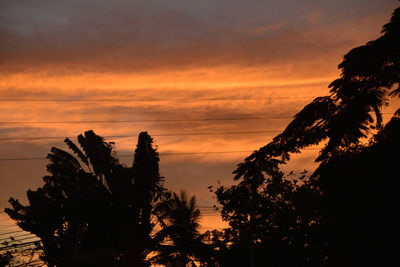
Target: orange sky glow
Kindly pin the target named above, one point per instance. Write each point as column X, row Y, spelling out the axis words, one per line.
column 239, row 62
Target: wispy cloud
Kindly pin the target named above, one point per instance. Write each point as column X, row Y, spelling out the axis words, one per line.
column 101, row 49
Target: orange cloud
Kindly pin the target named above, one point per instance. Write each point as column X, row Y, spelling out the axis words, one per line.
column 168, row 50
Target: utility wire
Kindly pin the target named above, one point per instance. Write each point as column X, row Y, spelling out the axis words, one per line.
column 26, row 238
column 9, row 227
column 155, row 120
column 13, row 232
column 161, row 154
column 30, row 263
column 154, row 99
column 15, row 237
column 6, row 225
column 143, row 121
column 19, row 245
column 125, row 136
column 130, row 155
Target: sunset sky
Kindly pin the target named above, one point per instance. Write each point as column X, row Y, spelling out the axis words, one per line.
column 218, row 68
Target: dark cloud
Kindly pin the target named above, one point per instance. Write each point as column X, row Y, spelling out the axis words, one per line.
column 140, row 35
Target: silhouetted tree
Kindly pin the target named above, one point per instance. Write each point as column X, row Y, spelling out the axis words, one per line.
column 370, row 75
column 271, row 222
column 341, row 215
column 70, row 213
column 182, row 243
column 147, row 191
column 360, row 201
column 93, row 211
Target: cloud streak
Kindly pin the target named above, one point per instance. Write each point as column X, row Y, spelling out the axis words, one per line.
column 161, row 50
column 137, row 36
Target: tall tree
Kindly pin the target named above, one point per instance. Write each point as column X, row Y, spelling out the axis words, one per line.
column 360, row 201
column 182, row 244
column 71, row 211
column 271, row 222
column 91, row 208
column 146, row 191
column 370, row 76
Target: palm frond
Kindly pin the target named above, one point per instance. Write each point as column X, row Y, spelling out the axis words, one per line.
column 77, row 151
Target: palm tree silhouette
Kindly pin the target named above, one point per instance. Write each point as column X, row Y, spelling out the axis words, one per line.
column 182, row 242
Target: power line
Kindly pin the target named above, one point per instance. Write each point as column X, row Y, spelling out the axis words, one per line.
column 11, row 242
column 155, row 99
column 20, row 245
column 30, row 263
column 143, row 121
column 15, row 237
column 155, row 120
column 13, row 232
column 9, row 229
column 131, row 155
column 7, row 226
column 161, row 154
column 125, row 136
column 26, row 238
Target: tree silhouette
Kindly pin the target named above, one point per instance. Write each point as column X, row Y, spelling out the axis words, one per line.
column 182, row 243
column 360, row 199
column 63, row 213
column 92, row 209
column 147, row 190
column 370, row 76
column 271, row 222
column 342, row 213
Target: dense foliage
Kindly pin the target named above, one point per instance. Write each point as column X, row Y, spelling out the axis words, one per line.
column 93, row 211
column 343, row 214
